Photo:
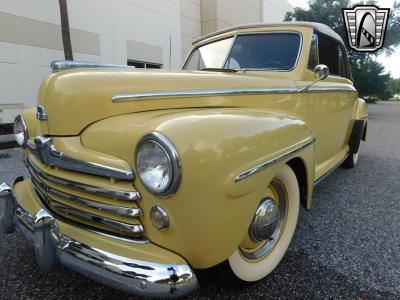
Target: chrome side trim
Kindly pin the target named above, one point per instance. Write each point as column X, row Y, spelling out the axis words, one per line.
column 49, row 155
column 111, row 193
column 221, row 92
column 134, row 276
column 331, row 90
column 61, row 65
column 41, row 113
column 273, row 161
column 118, row 210
column 200, row 93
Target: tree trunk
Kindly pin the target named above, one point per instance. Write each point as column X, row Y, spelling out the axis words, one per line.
column 65, row 30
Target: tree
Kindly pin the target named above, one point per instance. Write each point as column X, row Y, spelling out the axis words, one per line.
column 65, row 30
column 369, row 76
column 395, row 87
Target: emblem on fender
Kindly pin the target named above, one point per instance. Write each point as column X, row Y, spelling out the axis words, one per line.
column 41, row 113
column 366, row 27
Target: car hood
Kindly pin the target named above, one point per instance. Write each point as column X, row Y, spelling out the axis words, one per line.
column 74, row 99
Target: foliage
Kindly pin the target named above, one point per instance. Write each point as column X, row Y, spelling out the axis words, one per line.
column 395, row 87
column 368, row 74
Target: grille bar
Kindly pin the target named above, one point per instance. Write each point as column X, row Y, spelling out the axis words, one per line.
column 67, row 210
column 118, row 210
column 131, row 228
column 111, row 193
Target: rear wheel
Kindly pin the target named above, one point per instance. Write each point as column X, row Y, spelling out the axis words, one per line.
column 271, row 231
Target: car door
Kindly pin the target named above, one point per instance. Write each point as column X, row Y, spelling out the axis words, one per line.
column 331, row 102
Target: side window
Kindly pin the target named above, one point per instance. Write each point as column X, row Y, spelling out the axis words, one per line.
column 328, row 51
column 313, row 57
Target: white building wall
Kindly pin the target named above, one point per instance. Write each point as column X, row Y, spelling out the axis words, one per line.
column 109, row 31
column 275, row 10
column 101, row 30
column 190, row 23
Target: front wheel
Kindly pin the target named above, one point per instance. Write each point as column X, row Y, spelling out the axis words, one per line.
column 271, row 231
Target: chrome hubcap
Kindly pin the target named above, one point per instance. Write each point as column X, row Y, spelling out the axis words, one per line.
column 265, row 221
column 268, row 223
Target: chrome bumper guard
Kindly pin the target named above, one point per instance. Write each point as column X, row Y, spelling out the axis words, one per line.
column 51, row 248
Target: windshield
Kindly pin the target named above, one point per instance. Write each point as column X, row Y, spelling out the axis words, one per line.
column 265, row 51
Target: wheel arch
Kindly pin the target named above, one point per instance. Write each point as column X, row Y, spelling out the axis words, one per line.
column 299, row 169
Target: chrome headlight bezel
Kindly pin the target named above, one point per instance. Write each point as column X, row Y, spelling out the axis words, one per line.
column 19, row 121
column 173, row 157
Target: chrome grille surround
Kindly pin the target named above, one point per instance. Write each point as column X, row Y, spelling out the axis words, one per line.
column 80, row 208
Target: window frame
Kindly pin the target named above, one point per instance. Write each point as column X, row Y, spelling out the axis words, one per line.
column 211, row 42
column 341, row 48
column 314, row 34
column 253, row 33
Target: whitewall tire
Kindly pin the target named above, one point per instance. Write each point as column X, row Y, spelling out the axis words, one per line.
column 249, row 267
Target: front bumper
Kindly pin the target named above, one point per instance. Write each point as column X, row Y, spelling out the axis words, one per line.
column 53, row 247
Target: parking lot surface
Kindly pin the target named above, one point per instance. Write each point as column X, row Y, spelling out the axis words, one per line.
column 346, row 247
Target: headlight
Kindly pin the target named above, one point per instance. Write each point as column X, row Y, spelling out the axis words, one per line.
column 157, row 164
column 20, row 131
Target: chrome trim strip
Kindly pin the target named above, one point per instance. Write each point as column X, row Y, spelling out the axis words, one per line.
column 111, row 193
column 200, row 93
column 273, row 161
column 41, row 113
column 118, row 210
column 331, row 90
column 138, row 240
column 49, row 155
column 212, row 93
column 130, row 275
column 61, row 65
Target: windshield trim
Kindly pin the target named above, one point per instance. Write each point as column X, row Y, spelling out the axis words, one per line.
column 234, row 36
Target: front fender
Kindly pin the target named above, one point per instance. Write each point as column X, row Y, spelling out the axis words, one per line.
column 210, row 213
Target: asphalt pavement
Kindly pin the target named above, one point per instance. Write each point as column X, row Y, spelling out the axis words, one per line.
column 346, row 247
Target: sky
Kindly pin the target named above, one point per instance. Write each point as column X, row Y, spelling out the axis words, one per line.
column 392, row 63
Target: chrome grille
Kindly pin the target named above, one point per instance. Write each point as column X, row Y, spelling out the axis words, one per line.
column 121, row 217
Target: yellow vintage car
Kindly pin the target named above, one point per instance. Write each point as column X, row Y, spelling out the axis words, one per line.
column 139, row 177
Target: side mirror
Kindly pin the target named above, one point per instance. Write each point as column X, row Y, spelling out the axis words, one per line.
column 321, row 72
